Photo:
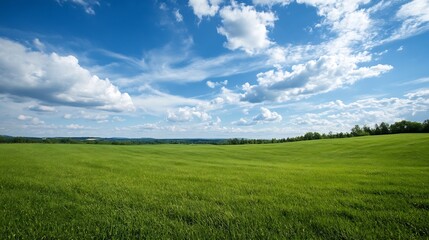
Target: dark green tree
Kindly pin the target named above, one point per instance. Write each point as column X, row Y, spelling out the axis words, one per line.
column 425, row 126
column 357, row 131
column 384, row 128
column 376, row 130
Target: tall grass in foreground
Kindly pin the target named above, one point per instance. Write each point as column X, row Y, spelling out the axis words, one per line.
column 360, row 188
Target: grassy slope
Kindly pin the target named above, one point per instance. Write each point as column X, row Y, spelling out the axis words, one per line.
column 367, row 187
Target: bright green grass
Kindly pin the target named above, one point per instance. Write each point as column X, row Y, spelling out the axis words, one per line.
column 373, row 187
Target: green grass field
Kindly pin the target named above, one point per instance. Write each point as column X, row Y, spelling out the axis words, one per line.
column 373, row 187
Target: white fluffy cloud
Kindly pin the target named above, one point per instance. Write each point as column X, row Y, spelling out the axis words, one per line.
column 267, row 116
column 56, row 79
column 264, row 116
column 204, row 8
column 186, row 114
column 316, row 76
column 211, row 84
column 30, row 119
column 245, row 28
column 243, row 122
column 277, row 55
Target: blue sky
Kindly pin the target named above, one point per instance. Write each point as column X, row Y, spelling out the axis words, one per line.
column 210, row 68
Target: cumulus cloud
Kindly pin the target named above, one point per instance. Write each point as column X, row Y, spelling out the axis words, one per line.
column 314, row 77
column 203, row 8
column 264, row 116
column 277, row 55
column 245, row 28
column 30, row 119
column 267, row 116
column 56, row 79
column 228, row 96
column 186, row 114
column 211, row 84
column 243, row 122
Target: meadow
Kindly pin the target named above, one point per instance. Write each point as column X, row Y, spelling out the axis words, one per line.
column 374, row 187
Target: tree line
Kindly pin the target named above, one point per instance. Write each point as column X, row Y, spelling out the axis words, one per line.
column 378, row 129
column 403, row 126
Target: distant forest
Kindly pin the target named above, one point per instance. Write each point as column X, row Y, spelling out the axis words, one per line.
column 357, row 131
